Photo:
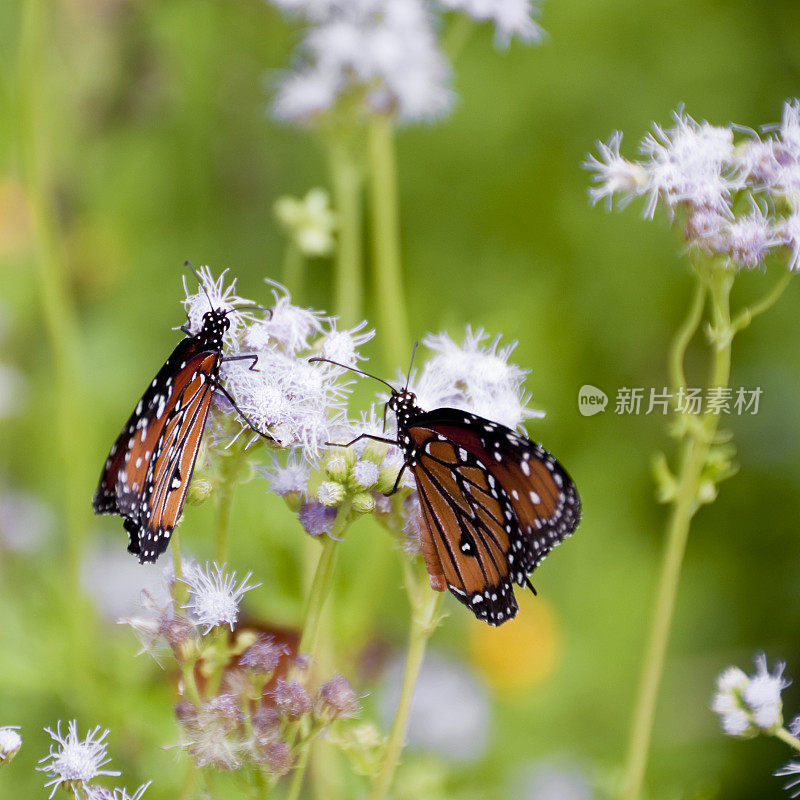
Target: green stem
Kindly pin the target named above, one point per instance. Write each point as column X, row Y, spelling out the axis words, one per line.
column 787, row 737
column 59, row 318
column 320, row 589
column 685, row 504
column 299, row 770
column 190, row 689
column 347, row 182
column 424, row 619
column 293, row 263
column 232, row 466
column 684, row 335
column 748, row 314
column 386, row 255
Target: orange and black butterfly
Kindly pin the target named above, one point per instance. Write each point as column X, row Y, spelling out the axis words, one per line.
column 150, row 466
column 493, row 504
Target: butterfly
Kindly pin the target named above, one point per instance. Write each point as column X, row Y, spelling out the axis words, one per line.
column 493, row 504
column 149, row 467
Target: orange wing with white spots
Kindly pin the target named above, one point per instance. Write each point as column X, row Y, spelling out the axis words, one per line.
column 493, row 505
column 148, row 470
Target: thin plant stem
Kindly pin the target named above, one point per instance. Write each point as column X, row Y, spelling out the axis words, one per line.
column 320, row 589
column 299, row 771
column 787, row 737
column 232, row 466
column 347, row 182
column 748, row 314
column 309, row 642
column 385, row 234
column 293, row 264
column 686, row 502
column 684, row 335
column 425, row 617
column 59, row 320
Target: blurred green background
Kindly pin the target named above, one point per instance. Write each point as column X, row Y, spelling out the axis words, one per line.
column 157, row 148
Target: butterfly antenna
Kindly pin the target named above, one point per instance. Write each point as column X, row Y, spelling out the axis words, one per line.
column 199, row 281
column 353, row 369
column 413, row 353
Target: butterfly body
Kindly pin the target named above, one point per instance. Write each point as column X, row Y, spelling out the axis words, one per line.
column 493, row 504
column 148, row 470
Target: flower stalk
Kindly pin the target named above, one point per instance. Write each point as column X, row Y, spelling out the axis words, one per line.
column 347, row 181
column 385, row 233
column 425, row 618
column 714, row 282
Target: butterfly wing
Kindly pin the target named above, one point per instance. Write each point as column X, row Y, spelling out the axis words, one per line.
column 171, row 468
column 158, row 444
column 115, row 493
column 467, row 527
column 493, row 503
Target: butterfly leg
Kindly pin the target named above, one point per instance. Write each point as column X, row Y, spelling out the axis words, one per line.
column 397, row 482
column 241, row 413
column 364, row 436
column 253, row 359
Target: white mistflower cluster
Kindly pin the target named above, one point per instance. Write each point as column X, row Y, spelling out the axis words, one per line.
column 296, row 402
column 749, row 704
column 382, row 54
column 475, row 376
column 737, row 193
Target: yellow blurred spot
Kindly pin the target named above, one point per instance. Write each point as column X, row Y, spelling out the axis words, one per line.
column 522, row 653
column 15, row 218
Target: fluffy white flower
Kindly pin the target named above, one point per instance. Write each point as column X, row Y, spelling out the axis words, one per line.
column 475, row 377
column 213, row 294
column 342, row 346
column 749, row 238
column 689, row 163
column 510, row 17
column 788, row 231
column 289, row 478
column 747, row 704
column 74, row 762
column 386, row 49
column 615, row 174
column 214, row 597
column 365, row 474
column 763, row 693
column 791, row 769
column 10, row 742
column 289, row 326
column 296, row 401
column 94, row 792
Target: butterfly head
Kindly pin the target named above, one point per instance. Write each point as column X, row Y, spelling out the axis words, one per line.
column 404, row 404
column 215, row 326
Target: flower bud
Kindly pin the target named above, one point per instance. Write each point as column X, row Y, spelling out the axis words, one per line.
column 364, row 475
column 339, row 462
column 387, row 477
column 266, row 724
column 179, row 635
column 330, row 493
column 200, row 490
column 263, row 656
column 224, row 710
column 291, row 699
column 278, row 758
column 186, row 713
column 10, row 743
column 363, row 503
column 337, row 699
